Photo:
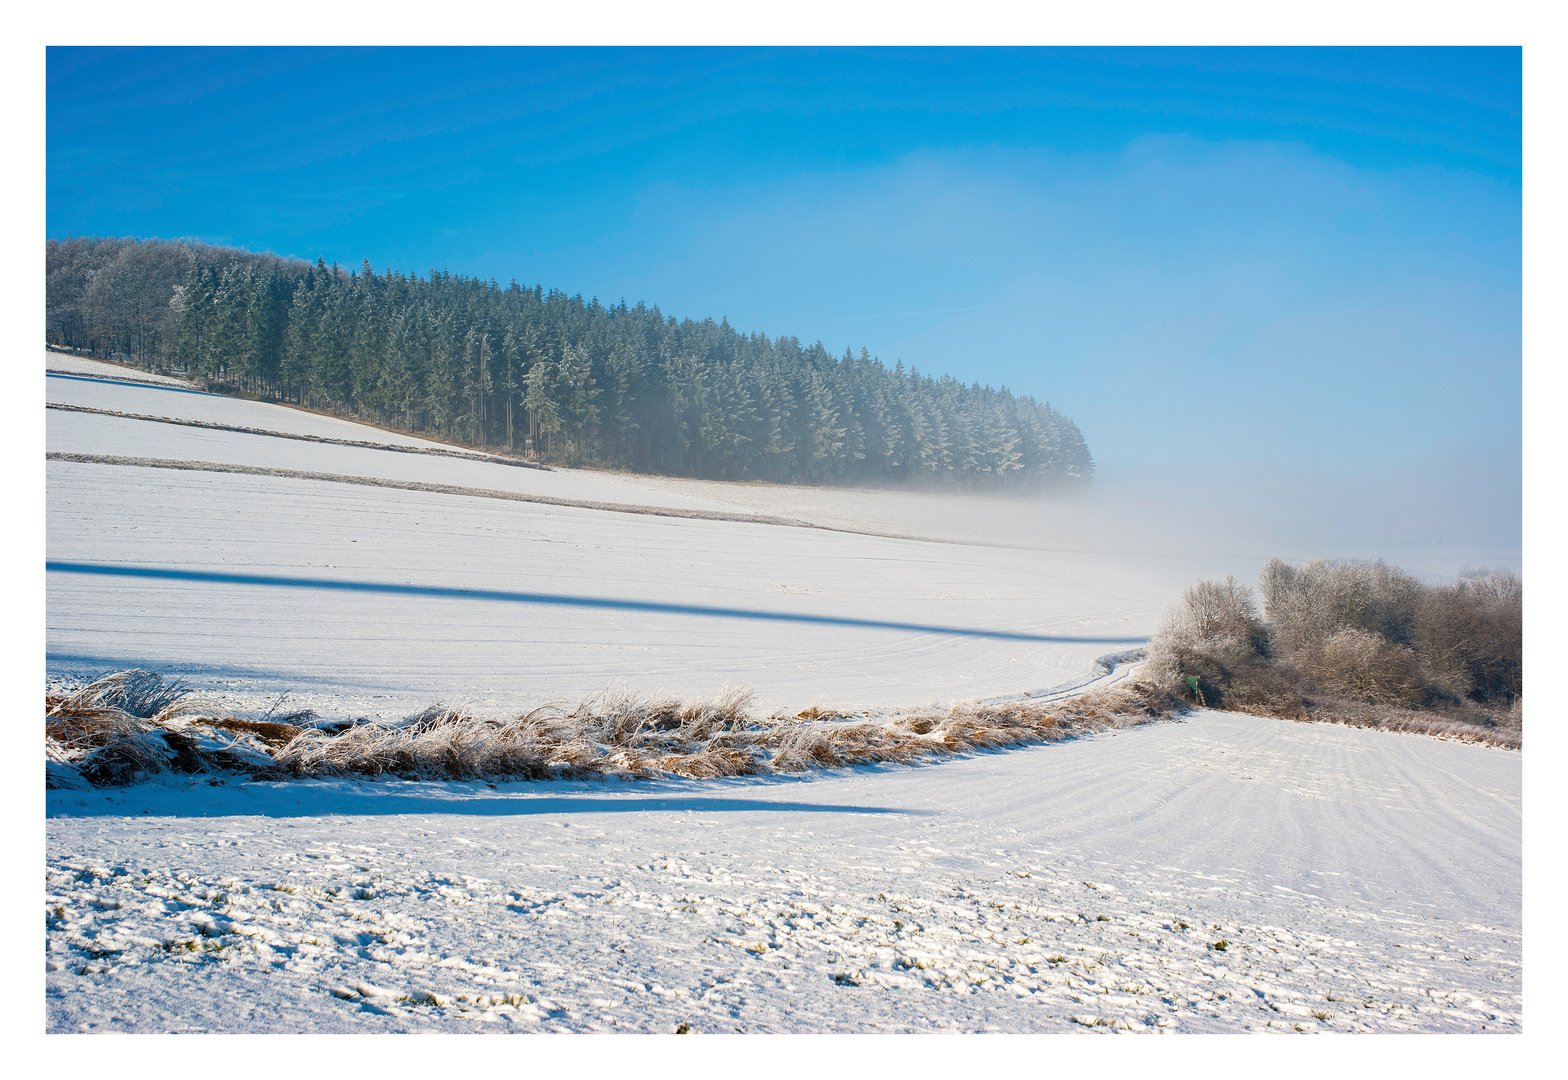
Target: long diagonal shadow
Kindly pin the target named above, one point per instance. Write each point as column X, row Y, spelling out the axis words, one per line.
column 376, row 800
column 112, row 381
column 558, row 600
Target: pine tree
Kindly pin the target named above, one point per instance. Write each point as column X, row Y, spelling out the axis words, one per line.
column 567, row 378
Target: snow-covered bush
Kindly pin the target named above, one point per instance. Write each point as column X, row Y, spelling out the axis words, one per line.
column 1307, row 604
column 1469, row 637
column 1358, row 641
column 1366, row 667
column 1211, row 635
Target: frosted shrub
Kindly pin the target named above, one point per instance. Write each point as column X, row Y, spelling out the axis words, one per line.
column 1218, row 611
column 1469, row 637
column 1308, row 604
column 1359, row 642
column 1208, row 635
column 1367, row 667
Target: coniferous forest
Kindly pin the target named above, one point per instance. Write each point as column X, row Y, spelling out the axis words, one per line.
column 541, row 373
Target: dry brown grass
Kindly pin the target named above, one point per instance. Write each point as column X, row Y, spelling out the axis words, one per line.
column 619, row 734
column 612, row 734
column 128, row 725
column 1501, row 729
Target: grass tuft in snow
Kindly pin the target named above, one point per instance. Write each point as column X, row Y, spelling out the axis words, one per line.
column 123, row 727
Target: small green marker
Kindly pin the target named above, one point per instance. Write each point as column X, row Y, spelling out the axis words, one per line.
column 1192, row 684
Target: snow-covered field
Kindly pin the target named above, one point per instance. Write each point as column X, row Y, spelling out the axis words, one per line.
column 349, row 601
column 1357, row 880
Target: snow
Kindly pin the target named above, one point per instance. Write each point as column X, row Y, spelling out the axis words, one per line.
column 190, row 404
column 65, row 363
column 1360, row 880
column 503, row 654
column 562, row 616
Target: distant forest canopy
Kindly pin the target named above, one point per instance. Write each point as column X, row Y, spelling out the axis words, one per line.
column 544, row 373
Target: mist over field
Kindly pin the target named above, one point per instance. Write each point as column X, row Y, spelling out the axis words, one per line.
column 1437, row 516
column 719, row 540
column 1222, row 260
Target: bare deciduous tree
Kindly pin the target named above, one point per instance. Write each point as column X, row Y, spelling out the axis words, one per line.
column 128, row 297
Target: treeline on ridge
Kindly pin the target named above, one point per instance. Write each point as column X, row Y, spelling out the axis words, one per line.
column 539, row 372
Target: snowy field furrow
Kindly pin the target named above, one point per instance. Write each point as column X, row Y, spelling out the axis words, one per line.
column 1051, row 525
column 105, row 391
column 89, row 433
column 1084, row 884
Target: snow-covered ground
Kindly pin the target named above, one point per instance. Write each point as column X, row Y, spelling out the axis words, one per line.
column 1358, row 880
column 378, row 601
column 65, row 363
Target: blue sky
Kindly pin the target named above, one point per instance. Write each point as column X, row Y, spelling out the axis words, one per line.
column 1212, row 259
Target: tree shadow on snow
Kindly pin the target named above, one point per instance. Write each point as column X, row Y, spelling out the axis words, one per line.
column 558, row 600
column 351, row 799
